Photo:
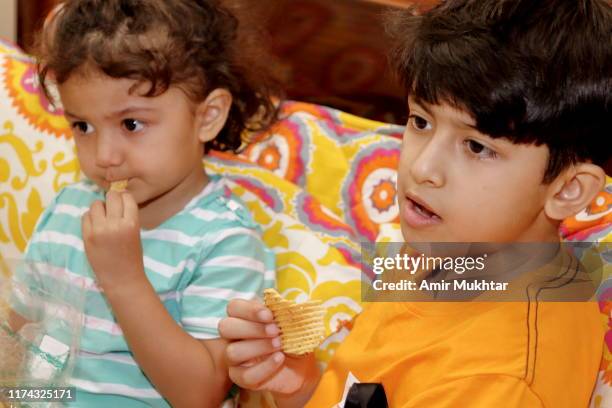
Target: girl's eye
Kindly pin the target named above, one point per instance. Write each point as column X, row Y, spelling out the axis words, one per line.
column 480, row 150
column 419, row 123
column 132, row 125
column 83, row 128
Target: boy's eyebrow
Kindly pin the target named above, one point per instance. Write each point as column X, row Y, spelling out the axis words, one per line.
column 459, row 122
column 420, row 105
column 465, row 124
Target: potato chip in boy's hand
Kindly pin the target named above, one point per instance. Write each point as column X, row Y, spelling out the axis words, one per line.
column 301, row 324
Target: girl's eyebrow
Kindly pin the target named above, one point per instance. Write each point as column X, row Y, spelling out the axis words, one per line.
column 72, row 115
column 119, row 113
column 129, row 110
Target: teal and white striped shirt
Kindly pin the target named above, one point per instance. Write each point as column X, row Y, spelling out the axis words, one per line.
column 199, row 259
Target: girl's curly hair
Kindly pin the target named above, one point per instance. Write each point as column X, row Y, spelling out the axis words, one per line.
column 193, row 44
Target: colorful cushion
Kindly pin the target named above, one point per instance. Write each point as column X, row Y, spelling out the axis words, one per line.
column 316, row 147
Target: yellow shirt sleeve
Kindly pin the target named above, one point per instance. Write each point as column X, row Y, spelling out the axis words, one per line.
column 481, row 391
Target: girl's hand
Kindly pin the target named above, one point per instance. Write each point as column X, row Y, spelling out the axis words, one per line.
column 111, row 235
column 254, row 356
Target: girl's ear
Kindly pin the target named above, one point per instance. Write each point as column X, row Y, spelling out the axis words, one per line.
column 211, row 114
column 573, row 190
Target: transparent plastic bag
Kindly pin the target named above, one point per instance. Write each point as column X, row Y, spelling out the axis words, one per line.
column 41, row 315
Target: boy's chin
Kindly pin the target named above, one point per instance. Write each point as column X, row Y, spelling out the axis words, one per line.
column 438, row 233
column 423, row 235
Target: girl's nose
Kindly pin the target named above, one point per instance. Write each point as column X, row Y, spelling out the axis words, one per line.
column 108, row 151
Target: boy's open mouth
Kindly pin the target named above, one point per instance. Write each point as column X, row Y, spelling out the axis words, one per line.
column 417, row 214
column 424, row 211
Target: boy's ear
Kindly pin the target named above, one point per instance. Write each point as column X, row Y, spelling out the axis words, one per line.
column 573, row 190
column 211, row 114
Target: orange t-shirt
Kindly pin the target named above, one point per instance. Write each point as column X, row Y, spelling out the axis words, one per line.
column 479, row 354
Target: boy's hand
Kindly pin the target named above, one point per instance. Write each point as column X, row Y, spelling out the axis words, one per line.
column 254, row 356
column 111, row 234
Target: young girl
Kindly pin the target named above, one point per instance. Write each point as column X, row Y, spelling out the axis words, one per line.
column 148, row 87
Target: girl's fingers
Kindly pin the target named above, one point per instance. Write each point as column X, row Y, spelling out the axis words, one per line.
column 240, row 352
column 86, row 225
column 233, row 328
column 114, row 205
column 97, row 212
column 251, row 310
column 252, row 377
column 130, row 208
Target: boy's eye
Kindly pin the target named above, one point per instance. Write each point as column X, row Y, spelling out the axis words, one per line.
column 132, row 125
column 419, row 123
column 82, row 127
column 480, row 150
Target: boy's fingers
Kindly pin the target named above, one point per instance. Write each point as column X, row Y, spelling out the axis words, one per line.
column 249, row 310
column 232, row 328
column 130, row 208
column 252, row 377
column 114, row 205
column 239, row 352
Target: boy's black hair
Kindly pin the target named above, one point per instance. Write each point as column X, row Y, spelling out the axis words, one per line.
column 193, row 44
column 532, row 71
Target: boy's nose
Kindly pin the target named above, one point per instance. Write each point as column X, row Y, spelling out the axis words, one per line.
column 427, row 163
column 108, row 152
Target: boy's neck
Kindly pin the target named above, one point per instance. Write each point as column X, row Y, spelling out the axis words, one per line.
column 542, row 229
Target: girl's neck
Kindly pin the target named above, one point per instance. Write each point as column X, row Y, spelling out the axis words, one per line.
column 154, row 212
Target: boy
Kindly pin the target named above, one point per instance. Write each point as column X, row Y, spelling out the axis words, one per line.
column 509, row 109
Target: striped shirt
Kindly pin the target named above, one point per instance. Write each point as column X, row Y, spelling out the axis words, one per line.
column 197, row 260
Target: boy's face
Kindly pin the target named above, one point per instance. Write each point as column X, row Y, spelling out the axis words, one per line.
column 151, row 142
column 458, row 185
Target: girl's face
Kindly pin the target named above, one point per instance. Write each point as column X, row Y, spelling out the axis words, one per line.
column 152, row 142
